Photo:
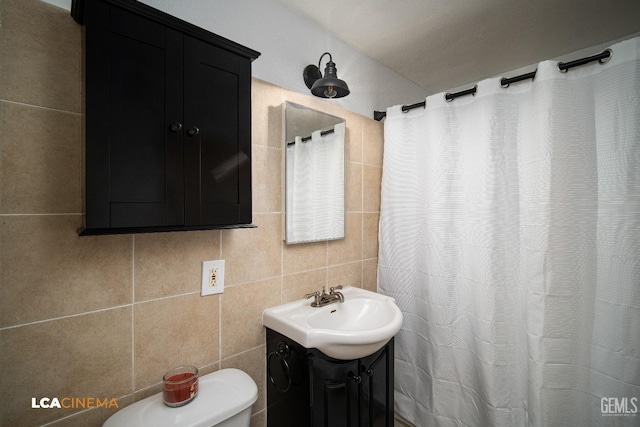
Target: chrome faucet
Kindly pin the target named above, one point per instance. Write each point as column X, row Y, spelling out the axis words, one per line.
column 320, row 299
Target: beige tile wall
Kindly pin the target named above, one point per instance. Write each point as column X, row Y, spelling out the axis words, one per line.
column 106, row 316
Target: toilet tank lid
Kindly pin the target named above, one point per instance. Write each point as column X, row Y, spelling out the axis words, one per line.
column 221, row 395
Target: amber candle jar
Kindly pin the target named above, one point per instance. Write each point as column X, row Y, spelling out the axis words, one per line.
column 180, row 386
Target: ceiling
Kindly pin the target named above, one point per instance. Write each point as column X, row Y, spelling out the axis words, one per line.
column 442, row 44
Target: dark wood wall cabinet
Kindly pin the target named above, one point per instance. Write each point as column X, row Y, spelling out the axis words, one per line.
column 168, row 122
column 306, row 388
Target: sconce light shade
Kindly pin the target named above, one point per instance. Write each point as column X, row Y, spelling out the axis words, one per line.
column 329, row 86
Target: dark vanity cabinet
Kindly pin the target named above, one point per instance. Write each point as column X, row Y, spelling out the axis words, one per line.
column 168, row 122
column 306, row 388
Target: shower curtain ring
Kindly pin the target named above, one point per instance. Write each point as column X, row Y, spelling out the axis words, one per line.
column 608, row 58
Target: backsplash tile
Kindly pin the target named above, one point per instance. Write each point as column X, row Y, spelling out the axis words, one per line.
column 345, row 275
column 348, row 249
column 170, row 332
column 354, row 142
column 304, row 257
column 266, row 190
column 40, row 156
column 242, row 308
column 353, row 187
column 254, row 253
column 163, row 262
column 370, row 274
column 48, row 271
column 372, row 177
column 45, row 65
column 372, row 138
column 80, row 356
column 295, row 286
column 370, row 234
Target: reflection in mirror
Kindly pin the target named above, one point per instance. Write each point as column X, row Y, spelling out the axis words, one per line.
column 314, row 175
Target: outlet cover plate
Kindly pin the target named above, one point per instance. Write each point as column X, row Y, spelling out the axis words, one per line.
column 212, row 277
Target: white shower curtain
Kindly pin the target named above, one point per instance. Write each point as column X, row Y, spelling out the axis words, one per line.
column 510, row 238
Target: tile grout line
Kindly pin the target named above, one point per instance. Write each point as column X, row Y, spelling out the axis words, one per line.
column 242, row 352
column 220, row 251
column 220, row 326
column 115, row 307
column 282, row 246
column 68, row 316
column 326, row 262
column 133, row 313
column 362, row 207
column 42, row 214
column 23, row 104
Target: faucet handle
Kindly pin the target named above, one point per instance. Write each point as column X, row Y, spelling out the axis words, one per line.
column 333, row 289
column 316, row 298
column 315, row 294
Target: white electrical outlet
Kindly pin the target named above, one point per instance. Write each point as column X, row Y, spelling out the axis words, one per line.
column 212, row 277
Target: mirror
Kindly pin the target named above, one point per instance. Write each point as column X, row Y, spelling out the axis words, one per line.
column 314, row 173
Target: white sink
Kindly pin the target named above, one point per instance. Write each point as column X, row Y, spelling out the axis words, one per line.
column 358, row 327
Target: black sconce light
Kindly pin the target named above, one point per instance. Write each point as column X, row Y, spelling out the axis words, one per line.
column 329, row 86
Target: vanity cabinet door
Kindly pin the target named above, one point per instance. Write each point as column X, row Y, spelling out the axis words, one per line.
column 335, row 387
column 377, row 373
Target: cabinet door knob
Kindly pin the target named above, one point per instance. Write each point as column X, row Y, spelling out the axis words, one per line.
column 175, row 127
column 193, row 131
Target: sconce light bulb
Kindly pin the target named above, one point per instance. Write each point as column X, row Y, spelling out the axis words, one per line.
column 330, row 92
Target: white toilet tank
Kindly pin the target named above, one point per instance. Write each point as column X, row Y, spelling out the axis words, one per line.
column 224, row 400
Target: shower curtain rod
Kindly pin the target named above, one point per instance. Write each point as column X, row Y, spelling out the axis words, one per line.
column 602, row 58
column 307, row 138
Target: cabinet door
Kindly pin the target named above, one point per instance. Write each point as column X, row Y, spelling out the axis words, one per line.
column 134, row 93
column 217, row 105
column 288, row 398
column 377, row 373
column 335, row 388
